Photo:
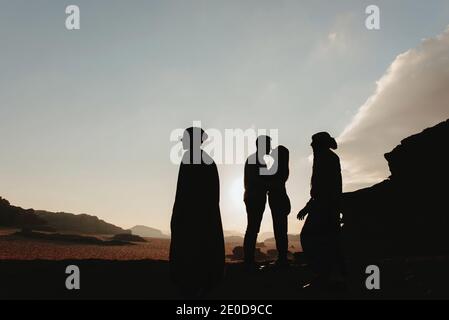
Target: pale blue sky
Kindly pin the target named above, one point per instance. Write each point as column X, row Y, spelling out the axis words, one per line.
column 85, row 116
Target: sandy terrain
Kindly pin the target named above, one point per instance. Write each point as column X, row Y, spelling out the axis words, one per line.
column 13, row 247
column 133, row 271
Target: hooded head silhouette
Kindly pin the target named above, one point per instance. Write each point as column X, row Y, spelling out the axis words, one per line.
column 193, row 137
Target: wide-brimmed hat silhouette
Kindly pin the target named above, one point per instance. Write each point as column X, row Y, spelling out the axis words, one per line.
column 324, row 140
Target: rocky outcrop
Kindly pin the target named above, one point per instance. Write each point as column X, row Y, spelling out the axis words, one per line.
column 79, row 223
column 16, row 217
column 128, row 237
column 30, row 219
column 239, row 254
column 407, row 214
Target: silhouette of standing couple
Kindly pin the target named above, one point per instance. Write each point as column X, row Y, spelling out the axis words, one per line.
column 260, row 182
column 197, row 254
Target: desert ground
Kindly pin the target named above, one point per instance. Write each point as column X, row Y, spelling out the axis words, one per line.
column 16, row 247
column 36, row 269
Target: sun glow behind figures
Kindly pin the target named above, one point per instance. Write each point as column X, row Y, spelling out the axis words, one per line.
column 236, row 192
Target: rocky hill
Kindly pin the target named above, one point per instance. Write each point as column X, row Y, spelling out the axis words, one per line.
column 17, row 217
column 12, row 216
column 78, row 223
column 407, row 214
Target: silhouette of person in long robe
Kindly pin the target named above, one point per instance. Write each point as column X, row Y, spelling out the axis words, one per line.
column 197, row 253
column 320, row 236
column 279, row 201
column 255, row 197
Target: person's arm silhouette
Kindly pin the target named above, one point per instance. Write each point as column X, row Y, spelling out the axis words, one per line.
column 304, row 211
column 302, row 214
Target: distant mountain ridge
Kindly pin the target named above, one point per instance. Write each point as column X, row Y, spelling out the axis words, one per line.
column 12, row 216
column 17, row 217
column 292, row 238
column 80, row 223
column 148, row 232
column 234, row 239
column 233, row 233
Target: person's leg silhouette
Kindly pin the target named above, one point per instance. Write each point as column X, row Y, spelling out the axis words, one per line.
column 280, row 207
column 254, row 210
column 280, row 234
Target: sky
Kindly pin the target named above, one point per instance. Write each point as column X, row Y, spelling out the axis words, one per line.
column 86, row 115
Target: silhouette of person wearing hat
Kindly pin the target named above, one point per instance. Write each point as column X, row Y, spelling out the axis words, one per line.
column 320, row 236
column 197, row 253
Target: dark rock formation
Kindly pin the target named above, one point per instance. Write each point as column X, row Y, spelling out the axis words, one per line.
column 30, row 219
column 79, row 223
column 68, row 238
column 128, row 237
column 407, row 214
column 238, row 254
column 16, row 217
column 272, row 253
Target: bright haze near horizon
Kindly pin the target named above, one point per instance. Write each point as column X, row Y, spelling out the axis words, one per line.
column 86, row 115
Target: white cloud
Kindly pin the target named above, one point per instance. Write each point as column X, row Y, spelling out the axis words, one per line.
column 413, row 94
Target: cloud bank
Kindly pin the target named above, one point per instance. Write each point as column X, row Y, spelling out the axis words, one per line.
column 413, row 94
